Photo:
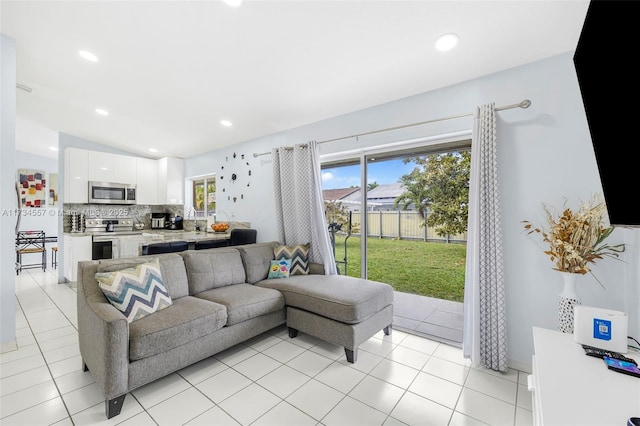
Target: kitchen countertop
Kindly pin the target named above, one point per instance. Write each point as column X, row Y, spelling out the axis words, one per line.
column 131, row 245
column 191, row 236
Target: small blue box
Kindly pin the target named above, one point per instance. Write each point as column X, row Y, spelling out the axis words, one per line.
column 601, row 329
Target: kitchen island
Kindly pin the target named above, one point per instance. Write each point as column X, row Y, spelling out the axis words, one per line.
column 131, row 245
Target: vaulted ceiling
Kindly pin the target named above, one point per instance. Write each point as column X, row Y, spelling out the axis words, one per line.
column 168, row 72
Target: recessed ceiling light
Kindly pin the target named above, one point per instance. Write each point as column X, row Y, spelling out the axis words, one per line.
column 447, row 42
column 53, row 148
column 153, row 150
column 225, row 123
column 88, row 55
column 233, row 3
column 102, row 111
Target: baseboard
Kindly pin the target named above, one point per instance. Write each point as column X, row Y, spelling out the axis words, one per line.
column 9, row 347
column 522, row 366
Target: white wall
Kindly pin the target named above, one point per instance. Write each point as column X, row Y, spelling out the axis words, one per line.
column 8, row 197
column 545, row 155
column 47, row 219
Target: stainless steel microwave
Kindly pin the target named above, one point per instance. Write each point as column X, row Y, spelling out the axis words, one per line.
column 111, row 193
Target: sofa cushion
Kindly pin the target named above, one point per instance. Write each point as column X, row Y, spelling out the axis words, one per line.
column 299, row 255
column 279, row 269
column 245, row 301
column 346, row 299
column 137, row 291
column 257, row 259
column 213, row 268
column 172, row 268
column 187, row 319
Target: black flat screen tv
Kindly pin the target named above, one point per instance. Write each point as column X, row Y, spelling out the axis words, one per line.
column 606, row 59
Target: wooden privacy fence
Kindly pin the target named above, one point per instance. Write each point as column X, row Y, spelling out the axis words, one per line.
column 403, row 225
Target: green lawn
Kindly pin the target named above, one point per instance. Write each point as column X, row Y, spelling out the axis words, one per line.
column 418, row 267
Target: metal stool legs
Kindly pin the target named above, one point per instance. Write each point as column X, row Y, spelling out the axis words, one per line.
column 54, row 257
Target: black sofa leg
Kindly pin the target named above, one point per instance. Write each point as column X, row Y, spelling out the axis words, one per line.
column 351, row 355
column 387, row 330
column 114, row 406
column 292, row 332
column 84, row 366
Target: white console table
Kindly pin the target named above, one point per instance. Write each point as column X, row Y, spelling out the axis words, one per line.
column 570, row 388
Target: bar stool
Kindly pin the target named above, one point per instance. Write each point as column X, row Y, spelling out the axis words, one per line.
column 54, row 257
column 240, row 236
column 207, row 244
column 30, row 242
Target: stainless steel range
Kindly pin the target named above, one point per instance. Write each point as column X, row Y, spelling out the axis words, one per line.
column 104, row 230
column 110, row 226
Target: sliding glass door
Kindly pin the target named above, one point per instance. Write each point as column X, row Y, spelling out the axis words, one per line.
column 390, row 237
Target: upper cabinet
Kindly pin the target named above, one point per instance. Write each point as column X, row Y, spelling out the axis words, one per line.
column 170, row 189
column 125, row 169
column 157, row 181
column 101, row 166
column 76, row 175
column 147, row 172
column 107, row 167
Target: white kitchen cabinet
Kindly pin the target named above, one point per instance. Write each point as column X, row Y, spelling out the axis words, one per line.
column 76, row 175
column 125, row 168
column 108, row 167
column 146, row 181
column 170, row 188
column 101, row 166
column 76, row 249
column 157, row 181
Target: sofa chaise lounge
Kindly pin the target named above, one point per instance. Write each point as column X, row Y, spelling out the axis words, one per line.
column 217, row 298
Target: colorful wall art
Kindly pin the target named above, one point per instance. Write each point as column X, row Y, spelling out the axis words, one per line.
column 33, row 188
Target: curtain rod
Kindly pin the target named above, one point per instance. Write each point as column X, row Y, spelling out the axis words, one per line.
column 524, row 104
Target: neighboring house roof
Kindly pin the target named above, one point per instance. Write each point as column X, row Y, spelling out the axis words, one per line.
column 382, row 196
column 386, row 191
column 337, row 194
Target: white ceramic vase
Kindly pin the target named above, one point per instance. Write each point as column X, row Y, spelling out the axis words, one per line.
column 567, row 300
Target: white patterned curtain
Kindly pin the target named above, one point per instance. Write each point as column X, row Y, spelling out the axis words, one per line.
column 299, row 204
column 484, row 329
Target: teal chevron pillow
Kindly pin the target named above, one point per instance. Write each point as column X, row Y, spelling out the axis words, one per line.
column 136, row 292
column 299, row 255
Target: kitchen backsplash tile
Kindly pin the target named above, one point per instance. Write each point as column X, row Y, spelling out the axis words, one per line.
column 140, row 214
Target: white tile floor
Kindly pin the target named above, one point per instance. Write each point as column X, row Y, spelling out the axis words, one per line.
column 402, row 379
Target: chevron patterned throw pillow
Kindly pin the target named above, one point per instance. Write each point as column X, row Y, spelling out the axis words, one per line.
column 299, row 255
column 136, row 292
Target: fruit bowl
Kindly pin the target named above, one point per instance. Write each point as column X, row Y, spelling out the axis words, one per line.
column 219, row 227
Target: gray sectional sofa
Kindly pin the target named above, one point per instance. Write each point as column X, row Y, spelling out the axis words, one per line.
column 219, row 297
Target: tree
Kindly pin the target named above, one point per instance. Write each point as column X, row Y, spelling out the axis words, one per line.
column 372, row 185
column 439, row 186
column 338, row 213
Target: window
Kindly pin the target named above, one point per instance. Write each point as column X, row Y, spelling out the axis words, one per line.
column 204, row 196
column 395, row 215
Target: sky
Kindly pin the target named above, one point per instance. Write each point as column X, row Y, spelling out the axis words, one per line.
column 383, row 172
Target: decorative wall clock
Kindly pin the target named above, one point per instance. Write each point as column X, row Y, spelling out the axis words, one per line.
column 235, row 177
